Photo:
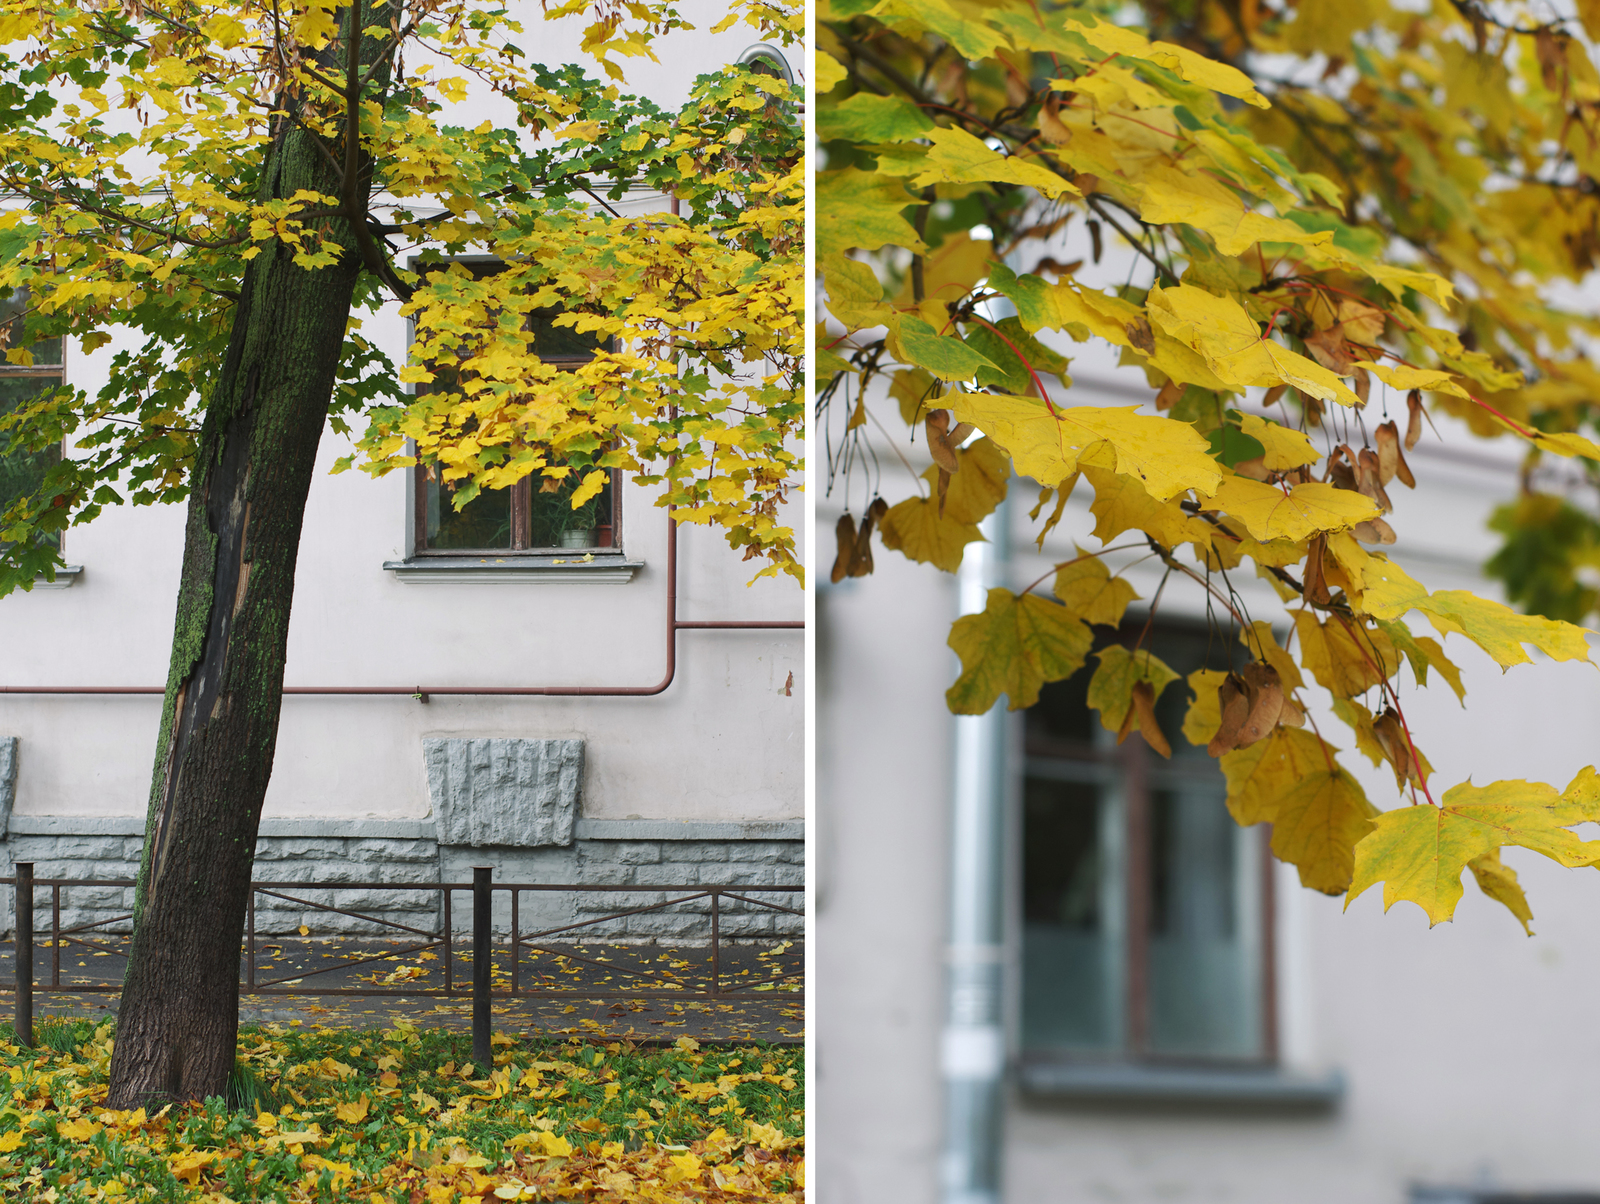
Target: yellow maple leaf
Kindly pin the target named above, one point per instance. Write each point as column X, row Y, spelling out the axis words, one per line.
column 1111, row 687
column 1204, row 716
column 351, row 1112
column 1346, row 657
column 1122, row 504
column 1260, row 774
column 1268, row 512
column 1285, row 448
column 1090, row 592
column 1499, row 882
column 1014, row 647
column 78, row 1130
column 1170, row 195
column 1419, row 853
column 1232, row 344
column 555, row 1146
column 916, row 529
column 1166, row 457
column 1317, row 825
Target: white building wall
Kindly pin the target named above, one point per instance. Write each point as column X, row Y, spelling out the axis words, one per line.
column 720, row 752
column 1468, row 1051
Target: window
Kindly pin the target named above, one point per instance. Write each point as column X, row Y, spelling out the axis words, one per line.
column 535, row 515
column 1145, row 908
column 22, row 472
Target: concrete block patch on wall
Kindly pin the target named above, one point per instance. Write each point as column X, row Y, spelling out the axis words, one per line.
column 8, row 780
column 521, row 794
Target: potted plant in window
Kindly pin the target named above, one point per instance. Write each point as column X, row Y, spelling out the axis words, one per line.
column 556, row 524
column 577, row 529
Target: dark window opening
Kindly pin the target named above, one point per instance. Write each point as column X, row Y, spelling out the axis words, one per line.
column 1145, row 909
column 21, row 473
column 535, row 514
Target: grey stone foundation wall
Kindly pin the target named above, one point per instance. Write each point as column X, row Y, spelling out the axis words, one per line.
column 394, row 854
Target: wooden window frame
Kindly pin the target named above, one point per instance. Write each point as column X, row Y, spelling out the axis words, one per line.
column 1134, row 764
column 521, row 499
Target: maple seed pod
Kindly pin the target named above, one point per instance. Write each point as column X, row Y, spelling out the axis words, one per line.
column 1391, row 737
column 1273, row 394
column 1391, row 460
column 1169, row 395
column 1373, row 530
column 845, row 533
column 1316, row 591
column 1265, row 694
column 1414, row 420
column 1143, row 711
column 1368, row 478
column 1233, row 703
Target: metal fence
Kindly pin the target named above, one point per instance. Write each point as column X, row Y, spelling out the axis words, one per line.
column 711, row 901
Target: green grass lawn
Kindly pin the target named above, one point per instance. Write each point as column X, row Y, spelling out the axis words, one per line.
column 402, row 1114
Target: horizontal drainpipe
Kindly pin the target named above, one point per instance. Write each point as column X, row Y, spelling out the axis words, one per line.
column 422, row 693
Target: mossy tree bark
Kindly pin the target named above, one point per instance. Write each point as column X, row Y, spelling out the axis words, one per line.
column 178, row 1020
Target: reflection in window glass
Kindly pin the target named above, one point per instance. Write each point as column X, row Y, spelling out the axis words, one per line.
column 1205, row 996
column 1072, row 945
column 483, row 523
column 1113, row 833
column 21, row 473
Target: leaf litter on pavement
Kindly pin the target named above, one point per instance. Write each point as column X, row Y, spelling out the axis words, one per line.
column 403, row 1115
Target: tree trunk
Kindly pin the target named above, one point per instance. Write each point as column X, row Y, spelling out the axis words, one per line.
column 179, row 1016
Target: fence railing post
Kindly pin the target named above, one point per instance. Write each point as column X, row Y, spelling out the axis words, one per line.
column 24, row 965
column 482, row 919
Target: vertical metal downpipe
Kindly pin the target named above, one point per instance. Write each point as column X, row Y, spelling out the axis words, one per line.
column 972, row 1054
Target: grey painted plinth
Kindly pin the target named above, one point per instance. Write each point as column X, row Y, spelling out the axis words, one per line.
column 520, row 794
column 397, row 855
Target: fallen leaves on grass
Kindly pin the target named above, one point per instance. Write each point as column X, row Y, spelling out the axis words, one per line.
column 402, row 1114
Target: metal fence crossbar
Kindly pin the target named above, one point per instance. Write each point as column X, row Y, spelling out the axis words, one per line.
column 354, row 915
column 386, row 955
column 759, row 903
column 481, row 991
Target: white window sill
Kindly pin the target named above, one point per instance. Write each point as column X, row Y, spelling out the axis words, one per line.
column 575, row 568
column 66, row 576
column 1191, row 1085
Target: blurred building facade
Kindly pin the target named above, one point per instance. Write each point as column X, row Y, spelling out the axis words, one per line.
column 1182, row 1020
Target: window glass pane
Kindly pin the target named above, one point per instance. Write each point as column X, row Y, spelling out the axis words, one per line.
column 22, row 473
column 1205, row 994
column 483, row 523
column 1073, row 996
column 554, row 342
column 555, row 524
column 12, row 306
column 1198, row 878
